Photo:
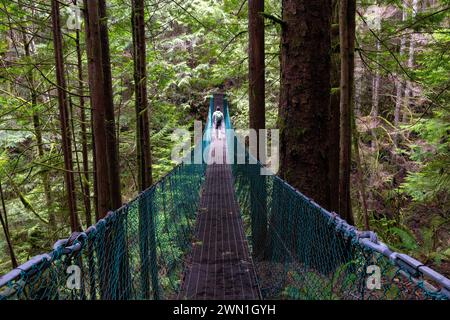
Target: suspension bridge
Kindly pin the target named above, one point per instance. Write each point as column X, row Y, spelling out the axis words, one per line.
column 222, row 231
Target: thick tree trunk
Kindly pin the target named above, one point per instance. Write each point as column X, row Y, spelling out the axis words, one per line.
column 305, row 97
column 257, row 121
column 256, row 74
column 111, row 139
column 106, row 157
column 107, row 175
column 347, row 54
column 64, row 117
column 335, row 110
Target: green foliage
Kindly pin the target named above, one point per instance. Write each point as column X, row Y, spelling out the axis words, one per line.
column 434, row 159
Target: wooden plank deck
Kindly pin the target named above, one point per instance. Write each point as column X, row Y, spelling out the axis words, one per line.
column 220, row 265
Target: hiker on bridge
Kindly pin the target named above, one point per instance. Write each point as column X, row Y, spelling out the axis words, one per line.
column 217, row 119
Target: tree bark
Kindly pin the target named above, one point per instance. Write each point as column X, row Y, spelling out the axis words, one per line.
column 64, row 117
column 335, row 110
column 347, row 54
column 412, row 43
column 375, row 97
column 4, row 222
column 143, row 147
column 257, row 121
column 84, row 140
column 111, row 139
column 141, row 101
column 106, row 157
column 305, row 97
column 399, row 83
column 256, row 74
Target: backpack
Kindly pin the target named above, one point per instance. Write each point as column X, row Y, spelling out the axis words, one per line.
column 219, row 116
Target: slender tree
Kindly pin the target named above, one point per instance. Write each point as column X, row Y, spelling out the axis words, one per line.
column 256, row 71
column 305, row 97
column 347, row 53
column 399, row 82
column 84, row 133
column 257, row 120
column 144, row 159
column 108, row 189
column 411, row 53
column 64, row 117
column 4, row 223
column 141, row 101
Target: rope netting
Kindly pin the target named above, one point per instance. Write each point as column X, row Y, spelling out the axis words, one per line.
column 300, row 250
column 135, row 252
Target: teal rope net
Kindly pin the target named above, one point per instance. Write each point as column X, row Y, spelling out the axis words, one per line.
column 135, row 252
column 300, row 250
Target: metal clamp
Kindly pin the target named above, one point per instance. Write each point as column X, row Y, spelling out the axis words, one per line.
column 71, row 244
column 372, row 236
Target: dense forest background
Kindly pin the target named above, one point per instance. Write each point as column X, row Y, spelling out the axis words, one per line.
column 400, row 169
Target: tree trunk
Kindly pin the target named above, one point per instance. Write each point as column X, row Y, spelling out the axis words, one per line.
column 107, row 174
column 375, row 98
column 64, row 117
column 111, row 139
column 257, row 121
column 347, row 54
column 410, row 65
column 334, row 111
column 106, row 158
column 84, row 141
column 4, row 222
column 359, row 75
column 140, row 87
column 305, row 97
column 256, row 74
column 399, row 84
column 143, row 148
